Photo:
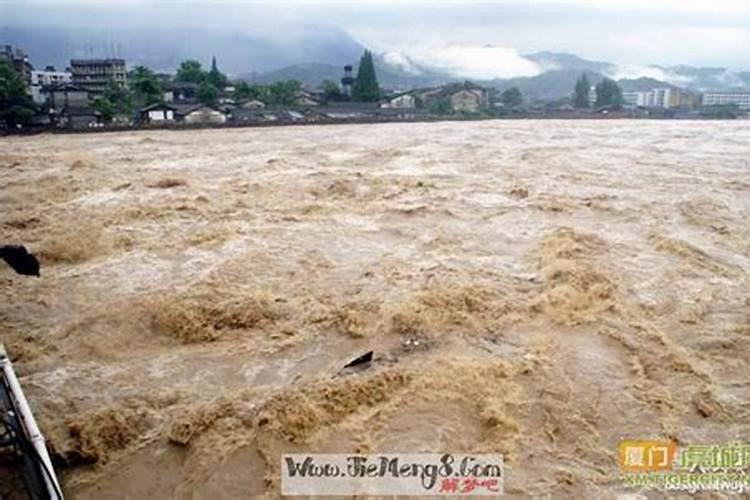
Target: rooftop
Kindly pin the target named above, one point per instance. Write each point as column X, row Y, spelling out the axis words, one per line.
column 64, row 87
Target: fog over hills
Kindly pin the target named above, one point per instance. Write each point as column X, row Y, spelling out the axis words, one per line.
column 164, row 48
column 556, row 75
column 316, row 53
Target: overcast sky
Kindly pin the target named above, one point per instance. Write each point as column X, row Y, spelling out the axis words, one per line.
column 458, row 33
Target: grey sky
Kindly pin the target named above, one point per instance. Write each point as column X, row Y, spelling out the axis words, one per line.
column 634, row 33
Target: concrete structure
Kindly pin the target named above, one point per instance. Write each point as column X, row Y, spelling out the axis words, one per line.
column 157, row 113
column 47, row 78
column 401, row 101
column 461, row 97
column 199, row 113
column 66, row 95
column 305, row 97
column 741, row 99
column 95, row 74
column 466, row 101
column 18, row 59
column 347, row 82
column 665, row 98
column 635, row 99
column 76, row 117
column 662, row 98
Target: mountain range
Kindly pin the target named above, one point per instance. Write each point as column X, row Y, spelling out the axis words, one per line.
column 557, row 76
column 315, row 54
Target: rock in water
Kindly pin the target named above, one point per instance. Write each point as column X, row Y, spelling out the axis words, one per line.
column 18, row 258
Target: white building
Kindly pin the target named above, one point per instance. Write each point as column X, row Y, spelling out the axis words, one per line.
column 202, row 114
column 656, row 98
column 46, row 77
column 403, row 101
column 157, row 113
column 719, row 98
column 635, row 99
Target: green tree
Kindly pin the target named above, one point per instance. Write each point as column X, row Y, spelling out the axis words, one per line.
column 190, row 71
column 284, row 93
column 244, row 90
column 512, row 97
column 366, row 88
column 440, row 106
column 581, row 92
column 608, row 93
column 331, row 90
column 119, row 97
column 145, row 86
column 115, row 101
column 726, row 111
column 16, row 106
column 105, row 108
column 216, row 77
column 207, row 93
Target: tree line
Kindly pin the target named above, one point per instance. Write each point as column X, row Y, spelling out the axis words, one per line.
column 145, row 88
column 16, row 106
column 607, row 94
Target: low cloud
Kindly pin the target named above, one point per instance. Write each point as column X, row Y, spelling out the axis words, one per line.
column 634, row 72
column 399, row 60
column 474, row 62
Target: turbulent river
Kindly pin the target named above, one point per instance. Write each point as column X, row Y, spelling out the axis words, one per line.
column 541, row 289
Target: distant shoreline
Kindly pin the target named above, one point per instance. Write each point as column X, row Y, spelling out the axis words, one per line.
column 289, row 123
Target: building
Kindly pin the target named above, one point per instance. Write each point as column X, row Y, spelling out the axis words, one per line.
column 157, row 114
column 305, row 97
column 635, row 99
column 95, row 74
column 49, row 77
column 182, row 92
column 65, row 95
column 347, row 82
column 592, row 96
column 466, row 101
column 400, row 101
column 253, row 104
column 460, row 97
column 665, row 98
column 741, row 99
column 198, row 113
column 78, row 117
column 242, row 114
column 165, row 82
column 18, row 59
column 70, row 106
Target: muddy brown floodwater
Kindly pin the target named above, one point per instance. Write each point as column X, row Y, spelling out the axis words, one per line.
column 541, row 289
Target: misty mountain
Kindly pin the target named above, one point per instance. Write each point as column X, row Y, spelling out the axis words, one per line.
column 642, row 84
column 312, row 54
column 401, row 75
column 705, row 78
column 557, row 77
column 164, row 48
column 560, row 72
column 309, row 74
column 551, row 61
column 550, row 85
